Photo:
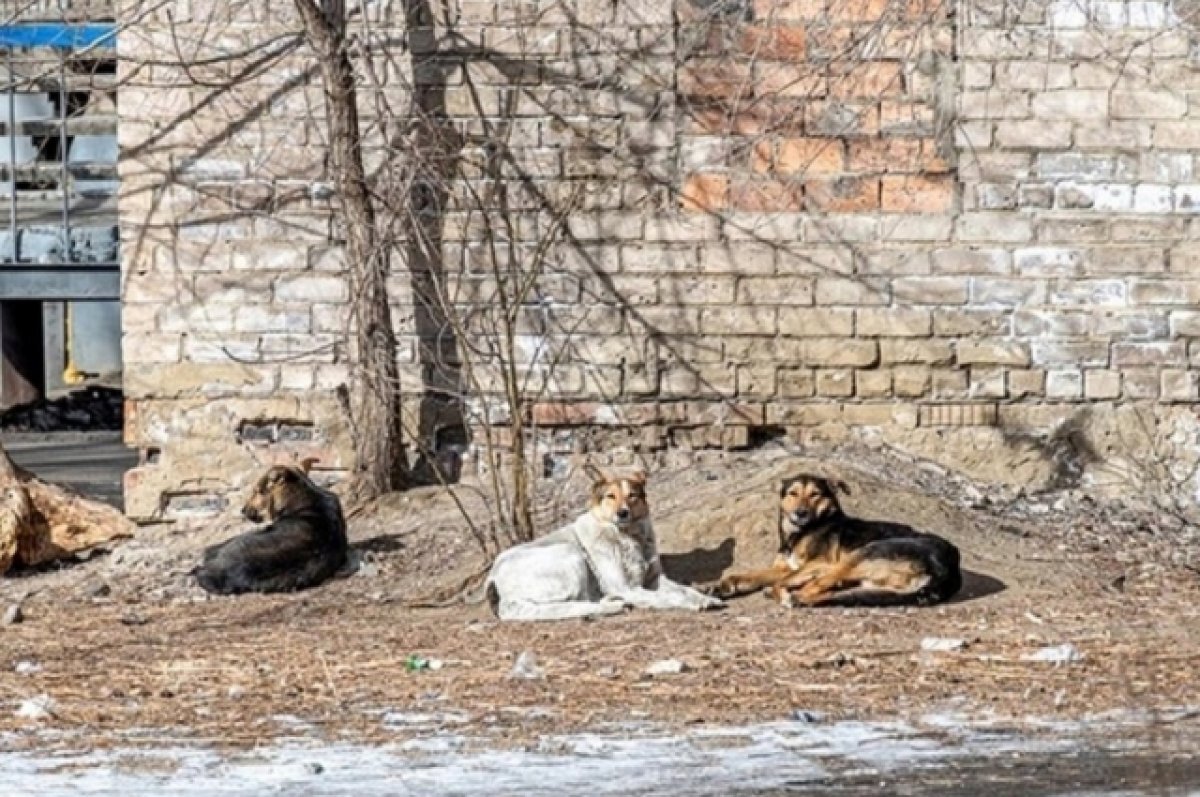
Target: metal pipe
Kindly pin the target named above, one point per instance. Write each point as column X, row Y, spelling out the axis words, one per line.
column 64, row 177
column 12, row 155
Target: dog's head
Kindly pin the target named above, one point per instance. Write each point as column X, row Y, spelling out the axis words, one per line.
column 805, row 501
column 280, row 491
column 620, row 499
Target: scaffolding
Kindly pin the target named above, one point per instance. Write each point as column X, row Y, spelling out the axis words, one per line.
column 59, row 238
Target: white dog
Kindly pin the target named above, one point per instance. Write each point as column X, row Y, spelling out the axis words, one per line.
column 604, row 561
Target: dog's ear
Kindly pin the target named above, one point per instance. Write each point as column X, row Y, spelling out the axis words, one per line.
column 638, row 476
column 307, row 463
column 842, row 486
column 594, row 473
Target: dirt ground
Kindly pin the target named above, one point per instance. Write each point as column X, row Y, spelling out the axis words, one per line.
column 127, row 648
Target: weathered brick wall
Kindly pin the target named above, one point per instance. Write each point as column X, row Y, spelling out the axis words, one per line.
column 780, row 214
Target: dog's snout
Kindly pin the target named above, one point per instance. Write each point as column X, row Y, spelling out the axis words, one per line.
column 251, row 514
column 623, row 513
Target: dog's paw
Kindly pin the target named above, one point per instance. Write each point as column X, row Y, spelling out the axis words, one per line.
column 611, row 604
column 711, row 603
column 728, row 587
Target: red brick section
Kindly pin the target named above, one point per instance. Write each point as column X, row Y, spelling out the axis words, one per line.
column 826, row 105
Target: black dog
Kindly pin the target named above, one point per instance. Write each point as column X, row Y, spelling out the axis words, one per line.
column 304, row 545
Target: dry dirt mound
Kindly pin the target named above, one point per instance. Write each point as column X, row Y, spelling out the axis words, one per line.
column 127, row 641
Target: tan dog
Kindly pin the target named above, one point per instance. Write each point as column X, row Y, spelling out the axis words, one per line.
column 827, row 557
column 604, row 561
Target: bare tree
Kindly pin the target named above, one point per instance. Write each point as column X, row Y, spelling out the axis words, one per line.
column 375, row 403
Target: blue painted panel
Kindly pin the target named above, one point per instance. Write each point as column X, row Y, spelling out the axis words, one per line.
column 70, row 37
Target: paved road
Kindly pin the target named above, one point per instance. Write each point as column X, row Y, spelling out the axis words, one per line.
column 92, row 463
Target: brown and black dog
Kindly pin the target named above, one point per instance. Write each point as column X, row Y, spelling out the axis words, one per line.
column 829, row 558
column 303, row 545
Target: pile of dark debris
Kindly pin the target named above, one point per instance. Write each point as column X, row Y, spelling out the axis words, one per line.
column 92, row 409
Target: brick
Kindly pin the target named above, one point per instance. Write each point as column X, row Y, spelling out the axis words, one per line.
column 892, row 155
column 1164, row 292
column 909, row 350
column 876, row 414
column 992, row 352
column 995, row 196
column 953, row 323
column 1089, row 293
column 803, row 414
column 705, row 192
column 1048, row 261
column 815, row 322
column 797, row 382
column 265, row 318
column 1066, row 384
column 842, row 194
column 910, row 381
column 775, row 79
column 1140, row 383
column 971, row 260
column 1185, row 323
column 872, row 384
column 1148, row 104
column 993, row 227
column 842, row 119
column 1082, row 104
column 739, row 258
column 1130, row 326
column 985, row 383
column 894, row 261
column 894, row 322
column 808, row 156
column 993, row 104
column 909, row 194
column 775, row 291
column 1051, row 323
column 736, row 321
column 1024, row 383
column 1158, row 353
column 835, row 383
column 313, row 288
column 852, row 291
column 756, row 380
column 1069, row 352
column 990, row 291
column 1102, row 384
column 839, row 352
column 1179, row 385
column 698, row 290
column 947, row 384
column 930, row 290
column 765, row 196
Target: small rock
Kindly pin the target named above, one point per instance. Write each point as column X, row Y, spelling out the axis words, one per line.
column 943, row 644
column 133, row 618
column 526, row 667
column 803, row 715
column 607, row 672
column 1055, row 654
column 98, row 590
column 13, row 615
column 36, row 708
column 666, row 667
column 235, row 692
column 313, row 768
column 26, row 667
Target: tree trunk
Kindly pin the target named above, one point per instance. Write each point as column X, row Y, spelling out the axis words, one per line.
column 375, row 400
column 41, row 522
